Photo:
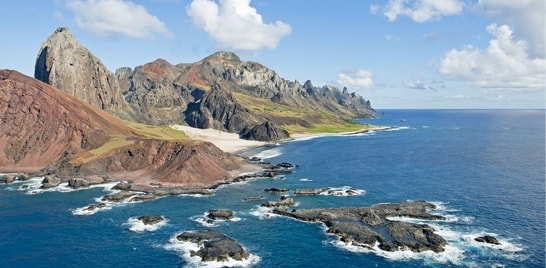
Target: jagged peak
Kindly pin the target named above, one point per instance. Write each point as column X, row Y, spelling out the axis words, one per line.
column 224, row 56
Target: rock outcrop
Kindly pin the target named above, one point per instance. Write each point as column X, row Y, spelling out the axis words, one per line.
column 370, row 225
column 48, row 131
column 41, row 125
column 151, row 219
column 214, row 246
column 265, row 131
column 65, row 64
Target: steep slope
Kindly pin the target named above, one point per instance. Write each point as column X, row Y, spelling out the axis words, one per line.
column 225, row 93
column 44, row 129
column 65, row 64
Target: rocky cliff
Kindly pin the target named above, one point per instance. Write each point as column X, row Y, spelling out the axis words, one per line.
column 65, row 64
column 219, row 91
column 225, row 93
column 46, row 130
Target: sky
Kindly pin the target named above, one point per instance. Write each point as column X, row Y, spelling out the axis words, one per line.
column 399, row 54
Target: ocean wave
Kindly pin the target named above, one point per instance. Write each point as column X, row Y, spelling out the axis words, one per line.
column 185, row 248
column 263, row 213
column 343, row 191
column 269, row 153
column 306, row 179
column 205, row 221
column 461, row 240
column 138, row 226
column 451, row 255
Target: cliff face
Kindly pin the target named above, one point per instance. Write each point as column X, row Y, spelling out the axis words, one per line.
column 44, row 129
column 225, row 93
column 219, row 91
column 41, row 124
column 65, row 64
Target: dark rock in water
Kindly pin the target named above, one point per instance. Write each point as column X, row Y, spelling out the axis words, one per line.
column 214, row 246
column 285, row 202
column 416, row 237
column 253, row 198
column 144, row 197
column 50, row 182
column 22, row 177
column 118, row 197
column 7, row 179
column 276, row 190
column 367, row 226
column 76, row 183
column 488, row 239
column 310, row 191
column 151, row 219
column 220, row 214
column 95, row 206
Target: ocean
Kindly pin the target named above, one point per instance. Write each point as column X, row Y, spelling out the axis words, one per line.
column 484, row 169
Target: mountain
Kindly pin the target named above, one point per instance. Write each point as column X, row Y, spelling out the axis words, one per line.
column 65, row 64
column 225, row 93
column 220, row 92
column 46, row 130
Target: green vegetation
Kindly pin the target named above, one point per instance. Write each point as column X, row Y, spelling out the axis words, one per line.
column 327, row 128
column 159, row 132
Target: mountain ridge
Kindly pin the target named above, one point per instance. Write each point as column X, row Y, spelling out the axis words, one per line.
column 246, row 94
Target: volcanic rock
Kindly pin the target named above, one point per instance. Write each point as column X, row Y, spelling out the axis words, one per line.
column 220, row 214
column 65, row 64
column 266, row 131
column 370, row 225
column 50, row 181
column 214, row 246
column 151, row 219
column 488, row 239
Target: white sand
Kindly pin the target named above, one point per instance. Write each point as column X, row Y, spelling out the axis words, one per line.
column 228, row 142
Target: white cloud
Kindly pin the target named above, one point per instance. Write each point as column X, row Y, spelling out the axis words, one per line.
column 110, row 18
column 234, row 24
column 392, row 38
column 418, row 84
column 525, row 17
column 420, row 10
column 505, row 64
column 361, row 79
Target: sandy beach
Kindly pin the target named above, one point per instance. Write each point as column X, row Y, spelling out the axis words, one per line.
column 231, row 143
column 228, row 142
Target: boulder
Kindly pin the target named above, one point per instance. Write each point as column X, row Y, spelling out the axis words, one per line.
column 50, row 181
column 285, row 202
column 76, row 183
column 276, row 190
column 220, row 214
column 7, row 178
column 488, row 239
column 151, row 219
column 214, row 246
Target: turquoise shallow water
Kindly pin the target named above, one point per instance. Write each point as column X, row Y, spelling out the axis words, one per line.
column 484, row 168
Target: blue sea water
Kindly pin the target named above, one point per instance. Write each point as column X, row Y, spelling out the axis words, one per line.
column 485, row 169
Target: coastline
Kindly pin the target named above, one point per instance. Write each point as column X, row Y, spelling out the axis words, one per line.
column 232, row 143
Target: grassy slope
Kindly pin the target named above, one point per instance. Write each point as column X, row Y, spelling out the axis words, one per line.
column 322, row 121
column 119, row 141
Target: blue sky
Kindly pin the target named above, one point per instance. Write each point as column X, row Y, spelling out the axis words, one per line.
column 397, row 53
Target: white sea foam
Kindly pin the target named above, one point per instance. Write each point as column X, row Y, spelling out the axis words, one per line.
column 138, row 226
column 263, row 213
column 84, row 211
column 270, row 153
column 208, row 222
column 343, row 191
column 461, row 248
column 185, row 248
column 306, row 179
